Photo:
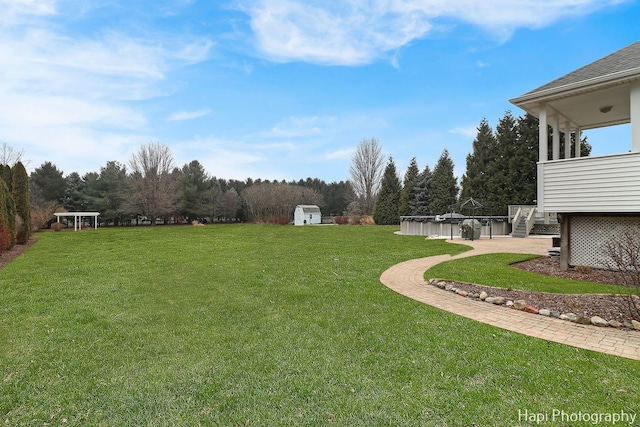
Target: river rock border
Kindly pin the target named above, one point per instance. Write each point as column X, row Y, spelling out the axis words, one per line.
column 523, row 306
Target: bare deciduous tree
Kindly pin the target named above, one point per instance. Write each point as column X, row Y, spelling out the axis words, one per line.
column 367, row 166
column 275, row 201
column 10, row 156
column 154, row 189
column 622, row 255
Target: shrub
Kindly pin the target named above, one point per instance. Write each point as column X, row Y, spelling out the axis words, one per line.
column 57, row 226
column 342, row 219
column 622, row 254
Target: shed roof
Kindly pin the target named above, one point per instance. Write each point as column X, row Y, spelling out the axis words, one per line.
column 581, row 95
column 309, row 208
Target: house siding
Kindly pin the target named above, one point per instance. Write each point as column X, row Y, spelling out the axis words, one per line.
column 602, row 184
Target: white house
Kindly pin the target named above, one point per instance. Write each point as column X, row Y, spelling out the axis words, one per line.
column 594, row 197
column 307, row 214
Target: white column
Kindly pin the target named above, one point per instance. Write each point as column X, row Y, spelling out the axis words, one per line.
column 567, row 140
column 543, row 135
column 635, row 116
column 555, row 124
column 578, row 142
column 543, row 153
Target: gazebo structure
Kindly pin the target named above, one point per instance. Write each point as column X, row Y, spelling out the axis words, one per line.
column 595, row 197
column 77, row 218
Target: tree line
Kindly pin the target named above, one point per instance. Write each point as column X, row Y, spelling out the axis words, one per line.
column 151, row 188
column 501, row 170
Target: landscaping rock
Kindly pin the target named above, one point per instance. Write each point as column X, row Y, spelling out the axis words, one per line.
column 544, row 312
column 462, row 293
column 496, row 300
column 615, row 324
column 599, row 321
column 483, row 295
column 584, row 320
column 509, row 303
column 448, row 287
column 519, row 304
column 555, row 313
column 636, row 324
column 571, row 317
column 628, row 325
column 531, row 309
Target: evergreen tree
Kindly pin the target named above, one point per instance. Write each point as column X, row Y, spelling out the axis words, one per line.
column 523, row 164
column 387, row 204
column 194, row 184
column 20, row 194
column 423, row 193
column 500, row 189
column 475, row 180
column 75, row 192
column 408, row 190
column 7, row 235
column 48, row 184
column 445, row 187
column 6, row 173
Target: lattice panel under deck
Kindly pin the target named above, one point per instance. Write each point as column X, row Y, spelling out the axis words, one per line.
column 590, row 233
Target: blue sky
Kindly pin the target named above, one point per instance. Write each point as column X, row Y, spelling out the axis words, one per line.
column 285, row 89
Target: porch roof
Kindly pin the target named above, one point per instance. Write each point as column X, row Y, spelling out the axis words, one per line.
column 584, row 96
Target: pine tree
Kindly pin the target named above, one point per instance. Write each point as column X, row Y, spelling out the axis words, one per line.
column 408, row 190
column 387, row 204
column 423, row 194
column 445, row 187
column 20, row 193
column 475, row 180
column 522, row 166
column 501, row 190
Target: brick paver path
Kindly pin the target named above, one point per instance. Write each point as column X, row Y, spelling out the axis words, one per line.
column 407, row 278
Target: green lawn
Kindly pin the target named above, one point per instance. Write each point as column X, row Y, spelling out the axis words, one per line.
column 236, row 325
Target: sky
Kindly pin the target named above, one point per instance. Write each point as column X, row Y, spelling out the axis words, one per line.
column 285, row 89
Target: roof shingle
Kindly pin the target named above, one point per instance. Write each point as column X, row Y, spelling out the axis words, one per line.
column 625, row 59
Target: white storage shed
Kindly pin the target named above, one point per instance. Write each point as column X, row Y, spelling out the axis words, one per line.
column 307, row 214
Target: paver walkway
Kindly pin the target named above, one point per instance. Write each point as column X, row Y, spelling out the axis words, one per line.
column 407, row 278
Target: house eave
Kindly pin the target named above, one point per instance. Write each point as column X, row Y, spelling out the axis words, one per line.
column 594, row 84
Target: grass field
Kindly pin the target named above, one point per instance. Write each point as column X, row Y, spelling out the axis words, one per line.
column 258, row 325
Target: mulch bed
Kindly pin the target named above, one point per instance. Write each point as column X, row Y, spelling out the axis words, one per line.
column 610, row 307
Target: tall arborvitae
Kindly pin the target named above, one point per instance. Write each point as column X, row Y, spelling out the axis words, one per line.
column 7, row 238
column 475, row 180
column 408, row 189
column 423, row 193
column 20, row 193
column 385, row 211
column 6, row 174
column 445, row 186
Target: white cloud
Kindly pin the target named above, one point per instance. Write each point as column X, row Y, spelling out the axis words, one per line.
column 340, row 154
column 188, row 115
column 360, row 31
column 15, row 11
column 76, row 90
column 466, row 131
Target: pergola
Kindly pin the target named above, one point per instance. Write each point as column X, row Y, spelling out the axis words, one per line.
column 77, row 218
